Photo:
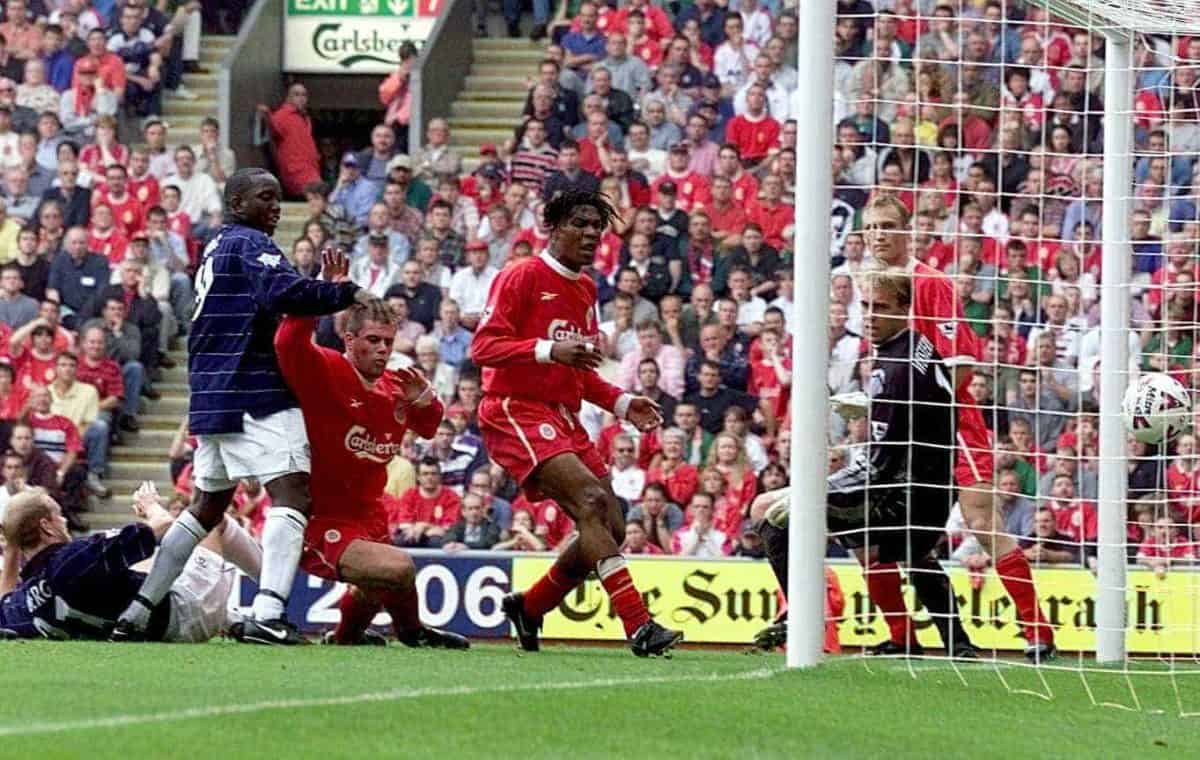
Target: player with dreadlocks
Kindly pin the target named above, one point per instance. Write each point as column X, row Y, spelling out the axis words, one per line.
column 538, row 345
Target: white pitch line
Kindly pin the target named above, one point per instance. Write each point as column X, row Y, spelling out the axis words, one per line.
column 395, row 695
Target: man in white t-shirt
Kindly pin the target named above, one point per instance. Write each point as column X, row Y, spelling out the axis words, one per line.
column 627, row 478
column 470, row 285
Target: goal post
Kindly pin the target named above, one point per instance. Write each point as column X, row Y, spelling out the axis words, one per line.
column 810, row 397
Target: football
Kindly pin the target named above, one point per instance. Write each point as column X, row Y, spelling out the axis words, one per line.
column 1156, row 408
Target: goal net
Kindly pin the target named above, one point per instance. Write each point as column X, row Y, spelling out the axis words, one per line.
column 1044, row 156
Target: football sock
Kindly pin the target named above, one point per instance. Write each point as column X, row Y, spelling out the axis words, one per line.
column 628, row 603
column 935, row 592
column 240, row 548
column 883, row 586
column 1017, row 577
column 775, row 542
column 283, row 540
column 548, row 591
column 176, row 546
column 358, row 610
column 402, row 606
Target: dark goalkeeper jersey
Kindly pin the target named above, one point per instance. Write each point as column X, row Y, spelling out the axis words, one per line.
column 911, row 437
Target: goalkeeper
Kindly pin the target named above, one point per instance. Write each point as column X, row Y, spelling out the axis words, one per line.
column 890, row 501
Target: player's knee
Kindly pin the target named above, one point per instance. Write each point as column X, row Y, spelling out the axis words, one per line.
column 592, row 505
column 291, row 491
column 402, row 570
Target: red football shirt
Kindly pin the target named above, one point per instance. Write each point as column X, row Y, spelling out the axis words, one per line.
column 692, row 190
column 354, row 429
column 773, row 220
column 753, row 138
column 531, row 305
column 727, row 221
column 128, row 214
column 55, row 434
column 440, row 510
column 146, row 190
column 745, row 190
column 112, row 245
column 551, row 522
column 32, row 370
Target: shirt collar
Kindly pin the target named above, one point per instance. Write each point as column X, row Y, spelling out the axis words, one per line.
column 554, row 264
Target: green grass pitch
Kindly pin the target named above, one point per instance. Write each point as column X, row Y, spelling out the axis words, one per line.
column 78, row 699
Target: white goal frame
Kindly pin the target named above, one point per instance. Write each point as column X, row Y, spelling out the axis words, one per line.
column 1118, row 21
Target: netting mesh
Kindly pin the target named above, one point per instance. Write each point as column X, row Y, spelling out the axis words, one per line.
column 986, row 121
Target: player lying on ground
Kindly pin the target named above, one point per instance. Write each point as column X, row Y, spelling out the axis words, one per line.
column 890, row 501
column 74, row 589
column 937, row 314
column 538, row 344
column 357, row 412
column 240, row 409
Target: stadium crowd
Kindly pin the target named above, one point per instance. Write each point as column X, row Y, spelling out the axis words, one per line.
column 984, row 118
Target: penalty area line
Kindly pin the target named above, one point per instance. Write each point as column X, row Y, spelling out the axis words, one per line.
column 394, row 695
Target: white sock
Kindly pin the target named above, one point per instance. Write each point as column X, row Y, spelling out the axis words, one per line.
column 283, row 540
column 240, row 548
column 176, row 546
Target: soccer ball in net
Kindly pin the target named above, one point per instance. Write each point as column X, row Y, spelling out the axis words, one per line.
column 1156, row 408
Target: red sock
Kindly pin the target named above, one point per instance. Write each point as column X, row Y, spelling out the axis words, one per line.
column 883, row 586
column 1015, row 574
column 626, row 600
column 357, row 613
column 548, row 591
column 402, row 606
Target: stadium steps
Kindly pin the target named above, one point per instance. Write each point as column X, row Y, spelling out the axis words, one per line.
column 489, row 106
column 184, row 116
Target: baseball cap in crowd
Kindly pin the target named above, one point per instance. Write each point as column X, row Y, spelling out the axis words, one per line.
column 710, row 81
column 477, row 245
column 349, row 159
column 140, row 236
column 681, row 147
column 488, row 149
column 377, row 238
column 400, row 161
column 667, row 188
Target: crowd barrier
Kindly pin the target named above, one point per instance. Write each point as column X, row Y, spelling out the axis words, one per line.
column 727, row 601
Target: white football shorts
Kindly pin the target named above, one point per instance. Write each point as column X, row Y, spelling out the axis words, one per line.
column 267, row 448
column 200, row 598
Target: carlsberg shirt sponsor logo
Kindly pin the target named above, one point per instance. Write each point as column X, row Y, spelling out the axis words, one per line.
column 364, row 446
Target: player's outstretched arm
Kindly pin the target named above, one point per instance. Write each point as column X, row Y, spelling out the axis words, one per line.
column 301, row 361
column 278, row 287
column 147, row 505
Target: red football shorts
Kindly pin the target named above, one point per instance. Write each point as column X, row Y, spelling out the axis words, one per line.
column 521, row 435
column 326, row 540
column 974, row 462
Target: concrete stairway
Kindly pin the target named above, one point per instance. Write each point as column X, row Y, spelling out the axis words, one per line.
column 489, row 107
column 185, row 116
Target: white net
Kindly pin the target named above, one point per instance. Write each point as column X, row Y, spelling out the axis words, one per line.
column 994, row 126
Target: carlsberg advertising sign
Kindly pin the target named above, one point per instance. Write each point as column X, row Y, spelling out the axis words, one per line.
column 353, row 36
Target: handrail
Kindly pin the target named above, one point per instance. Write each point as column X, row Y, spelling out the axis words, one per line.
column 254, row 62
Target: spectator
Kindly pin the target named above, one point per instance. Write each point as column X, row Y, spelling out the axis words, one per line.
column 523, row 538
column 534, row 157
column 437, row 158
column 570, row 177
column 453, row 339
column 627, row 478
column 135, row 44
column 373, row 161
column 377, row 272
column 700, row 538
column 162, row 155
column 711, row 398
column 22, row 39
column 16, row 308
column 627, row 73
column 21, row 203
column 650, row 160
column 709, row 16
column 379, row 224
column 451, row 245
column 637, row 541
column 660, row 517
column 295, row 152
column 618, row 105
column 585, row 46
column 669, row 359
column 211, row 158
column 754, row 133
column 58, row 61
column 1165, row 545
column 332, row 217
column 426, row 511
column 474, row 530
column 119, row 388
column 73, row 201
column 80, row 403
column 470, row 285
column 200, row 198
column 354, row 191
column 124, row 341
column 673, row 472
column 42, row 471
column 1046, row 545
column 396, row 97
column 128, row 213
column 35, row 269
column 76, row 277
column 110, row 69
column 84, row 104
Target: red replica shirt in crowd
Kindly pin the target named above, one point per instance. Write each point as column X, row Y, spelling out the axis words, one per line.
column 550, row 521
column 1079, row 520
column 354, row 430
column 111, row 245
column 145, row 189
column 658, row 25
column 745, row 190
column 32, row 370
column 1183, row 492
column 440, row 510
column 128, row 214
column 532, row 304
column 55, row 434
column 730, row 220
column 181, row 224
column 773, row 220
column 681, row 483
column 764, row 383
column 692, row 190
column 105, row 375
column 536, row 240
column 608, row 254
column 649, row 51
column 752, row 138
